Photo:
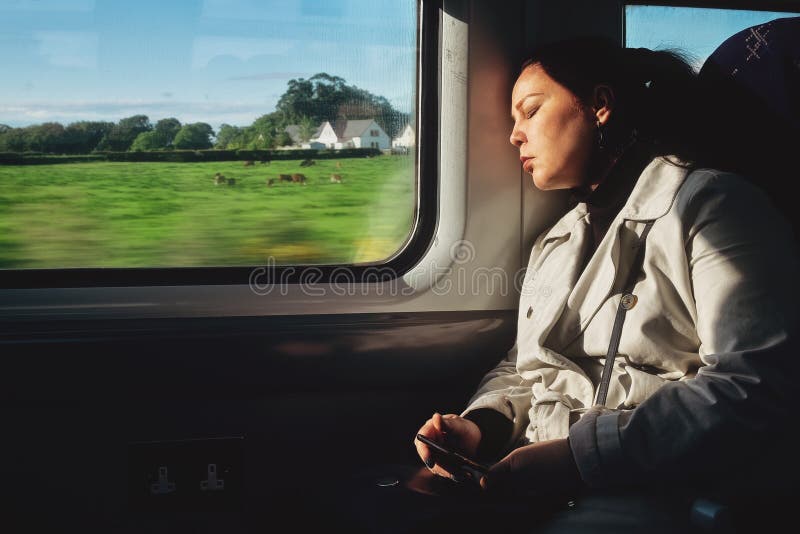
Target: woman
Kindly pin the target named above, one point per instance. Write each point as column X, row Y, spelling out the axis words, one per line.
column 690, row 268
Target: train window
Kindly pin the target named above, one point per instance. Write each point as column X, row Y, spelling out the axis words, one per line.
column 207, row 134
column 694, row 31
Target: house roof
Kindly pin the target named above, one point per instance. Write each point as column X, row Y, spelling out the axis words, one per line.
column 294, row 132
column 347, row 129
column 318, row 131
column 352, row 128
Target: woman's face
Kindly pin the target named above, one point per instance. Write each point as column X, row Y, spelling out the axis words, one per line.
column 554, row 132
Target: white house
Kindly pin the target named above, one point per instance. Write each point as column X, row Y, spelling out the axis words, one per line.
column 365, row 133
column 406, row 139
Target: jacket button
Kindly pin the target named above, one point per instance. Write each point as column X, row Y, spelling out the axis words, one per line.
column 629, row 300
column 530, row 311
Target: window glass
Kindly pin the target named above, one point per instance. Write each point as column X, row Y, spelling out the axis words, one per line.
column 202, row 133
column 694, row 31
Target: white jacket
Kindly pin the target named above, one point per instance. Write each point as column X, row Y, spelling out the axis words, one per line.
column 702, row 360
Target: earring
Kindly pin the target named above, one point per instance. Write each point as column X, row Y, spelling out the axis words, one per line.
column 601, row 138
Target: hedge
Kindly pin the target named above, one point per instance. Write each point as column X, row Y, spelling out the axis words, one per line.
column 236, row 155
column 188, row 156
column 27, row 158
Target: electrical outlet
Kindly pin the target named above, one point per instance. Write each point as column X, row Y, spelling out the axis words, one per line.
column 163, row 486
column 192, row 477
column 212, row 483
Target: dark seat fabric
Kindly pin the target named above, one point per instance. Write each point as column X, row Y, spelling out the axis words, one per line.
column 752, row 87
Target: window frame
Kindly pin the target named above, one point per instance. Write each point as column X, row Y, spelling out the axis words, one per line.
column 749, row 5
column 414, row 249
column 789, row 6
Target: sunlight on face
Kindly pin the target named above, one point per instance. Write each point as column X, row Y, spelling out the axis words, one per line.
column 554, row 132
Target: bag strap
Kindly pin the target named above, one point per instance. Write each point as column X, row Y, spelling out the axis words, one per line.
column 627, row 302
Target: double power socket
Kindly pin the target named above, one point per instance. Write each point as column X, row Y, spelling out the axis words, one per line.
column 164, row 486
column 192, row 474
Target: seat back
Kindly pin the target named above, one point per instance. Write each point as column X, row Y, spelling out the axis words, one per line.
column 752, row 85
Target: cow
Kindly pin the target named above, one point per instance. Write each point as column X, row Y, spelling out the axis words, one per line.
column 285, row 177
column 307, row 163
column 270, row 182
column 299, row 178
column 220, row 179
column 249, row 163
column 336, row 178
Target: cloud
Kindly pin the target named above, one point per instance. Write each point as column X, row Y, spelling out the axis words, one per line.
column 236, row 113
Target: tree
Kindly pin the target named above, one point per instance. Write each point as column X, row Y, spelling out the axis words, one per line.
column 307, row 128
column 160, row 138
column 146, row 141
column 46, row 137
column 167, row 129
column 297, row 100
column 263, row 133
column 12, row 140
column 123, row 134
column 283, row 139
column 228, row 137
column 196, row 136
column 83, row 137
column 76, row 138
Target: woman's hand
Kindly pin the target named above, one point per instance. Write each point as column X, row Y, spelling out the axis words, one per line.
column 452, row 431
column 545, row 467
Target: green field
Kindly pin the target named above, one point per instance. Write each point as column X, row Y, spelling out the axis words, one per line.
column 173, row 215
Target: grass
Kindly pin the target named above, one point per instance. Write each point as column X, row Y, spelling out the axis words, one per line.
column 173, row 215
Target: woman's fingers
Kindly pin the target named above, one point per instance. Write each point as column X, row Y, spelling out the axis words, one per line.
column 423, row 450
column 434, row 429
column 427, row 457
column 438, row 424
column 430, row 431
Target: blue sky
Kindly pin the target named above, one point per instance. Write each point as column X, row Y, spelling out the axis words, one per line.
column 214, row 61
column 228, row 61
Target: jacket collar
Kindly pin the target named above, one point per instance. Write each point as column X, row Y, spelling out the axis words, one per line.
column 565, row 223
column 651, row 197
column 655, row 191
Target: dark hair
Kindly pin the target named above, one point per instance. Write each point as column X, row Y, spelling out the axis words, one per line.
column 655, row 91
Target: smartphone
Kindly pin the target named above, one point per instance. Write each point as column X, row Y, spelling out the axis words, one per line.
column 451, row 459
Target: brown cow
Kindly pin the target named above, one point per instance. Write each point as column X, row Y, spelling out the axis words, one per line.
column 285, row 177
column 299, row 178
column 336, row 178
column 249, row 163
